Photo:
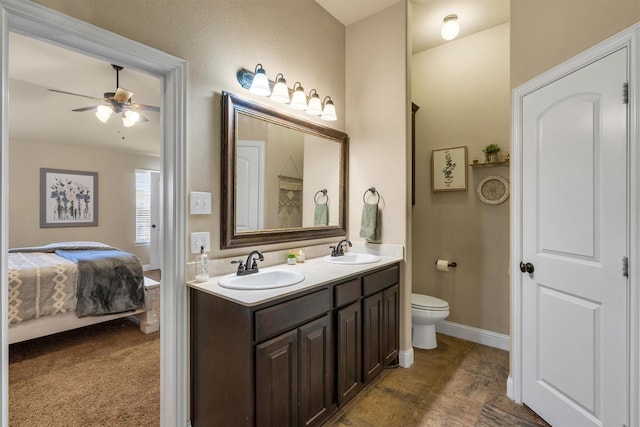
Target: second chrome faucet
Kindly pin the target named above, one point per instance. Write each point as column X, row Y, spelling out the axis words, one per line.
column 338, row 250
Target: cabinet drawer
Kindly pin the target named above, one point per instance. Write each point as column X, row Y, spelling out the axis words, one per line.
column 380, row 280
column 279, row 318
column 347, row 292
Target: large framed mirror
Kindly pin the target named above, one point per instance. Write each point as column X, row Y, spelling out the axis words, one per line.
column 283, row 178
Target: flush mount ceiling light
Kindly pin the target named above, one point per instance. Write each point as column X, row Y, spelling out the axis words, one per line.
column 450, row 28
column 258, row 83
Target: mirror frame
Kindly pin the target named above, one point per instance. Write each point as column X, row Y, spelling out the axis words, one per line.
column 229, row 238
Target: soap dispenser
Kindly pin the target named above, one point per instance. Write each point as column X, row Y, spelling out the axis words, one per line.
column 202, row 266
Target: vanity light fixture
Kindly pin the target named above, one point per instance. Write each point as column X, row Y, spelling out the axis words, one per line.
column 280, row 90
column 450, row 28
column 315, row 105
column 328, row 109
column 260, row 83
column 299, row 99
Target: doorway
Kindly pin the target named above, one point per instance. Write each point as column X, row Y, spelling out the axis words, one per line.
column 35, row 21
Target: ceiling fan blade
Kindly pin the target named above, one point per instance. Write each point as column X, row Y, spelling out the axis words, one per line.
column 122, row 95
column 74, row 94
column 89, row 108
column 143, row 119
column 145, row 107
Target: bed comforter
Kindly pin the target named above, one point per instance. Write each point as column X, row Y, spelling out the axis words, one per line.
column 90, row 278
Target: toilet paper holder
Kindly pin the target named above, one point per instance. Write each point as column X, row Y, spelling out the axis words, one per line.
column 450, row 264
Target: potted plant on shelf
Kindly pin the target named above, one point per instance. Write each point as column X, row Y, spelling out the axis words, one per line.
column 491, row 153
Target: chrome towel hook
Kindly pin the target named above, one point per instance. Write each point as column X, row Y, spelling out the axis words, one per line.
column 373, row 191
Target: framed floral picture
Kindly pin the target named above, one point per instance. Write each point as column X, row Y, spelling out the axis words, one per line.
column 449, row 169
column 68, row 198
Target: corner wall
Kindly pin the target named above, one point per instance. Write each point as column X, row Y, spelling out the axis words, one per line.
column 462, row 89
column 377, row 112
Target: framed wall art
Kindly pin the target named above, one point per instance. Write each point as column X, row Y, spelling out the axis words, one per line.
column 68, row 198
column 449, row 169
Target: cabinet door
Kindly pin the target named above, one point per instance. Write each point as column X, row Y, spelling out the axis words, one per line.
column 372, row 336
column 390, row 324
column 277, row 381
column 349, row 351
column 316, row 371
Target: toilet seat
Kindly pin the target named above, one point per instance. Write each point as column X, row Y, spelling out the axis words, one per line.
column 426, row 302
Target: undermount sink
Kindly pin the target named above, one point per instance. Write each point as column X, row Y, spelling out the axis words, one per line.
column 266, row 279
column 352, row 258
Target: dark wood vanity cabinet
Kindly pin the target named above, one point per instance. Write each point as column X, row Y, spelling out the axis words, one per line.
column 293, row 361
column 294, row 376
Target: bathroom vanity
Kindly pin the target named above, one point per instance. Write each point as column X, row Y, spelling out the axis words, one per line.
column 292, row 356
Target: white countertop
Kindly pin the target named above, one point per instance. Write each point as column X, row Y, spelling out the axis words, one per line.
column 316, row 271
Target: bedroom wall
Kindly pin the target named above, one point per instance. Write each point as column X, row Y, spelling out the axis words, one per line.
column 116, row 193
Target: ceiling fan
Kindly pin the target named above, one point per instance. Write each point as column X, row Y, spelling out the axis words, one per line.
column 118, row 102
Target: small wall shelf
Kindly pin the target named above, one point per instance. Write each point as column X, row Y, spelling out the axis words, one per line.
column 489, row 165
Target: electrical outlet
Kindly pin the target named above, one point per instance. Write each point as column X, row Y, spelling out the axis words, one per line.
column 198, row 240
column 200, row 203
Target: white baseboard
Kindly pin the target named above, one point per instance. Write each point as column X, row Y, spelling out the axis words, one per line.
column 510, row 388
column 480, row 336
column 405, row 358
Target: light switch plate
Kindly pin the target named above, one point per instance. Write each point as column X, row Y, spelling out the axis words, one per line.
column 200, row 203
column 200, row 239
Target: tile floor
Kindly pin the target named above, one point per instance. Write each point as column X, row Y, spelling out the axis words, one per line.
column 458, row 384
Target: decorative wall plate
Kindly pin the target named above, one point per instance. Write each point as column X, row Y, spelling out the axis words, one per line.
column 493, row 190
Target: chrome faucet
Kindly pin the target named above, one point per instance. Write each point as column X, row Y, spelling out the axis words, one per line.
column 338, row 250
column 250, row 266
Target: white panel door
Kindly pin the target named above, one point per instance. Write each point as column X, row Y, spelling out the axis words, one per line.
column 575, row 226
column 250, row 186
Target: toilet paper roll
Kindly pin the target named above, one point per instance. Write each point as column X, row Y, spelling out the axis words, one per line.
column 443, row 265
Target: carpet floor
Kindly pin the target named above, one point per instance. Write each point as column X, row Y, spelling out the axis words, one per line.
column 101, row 375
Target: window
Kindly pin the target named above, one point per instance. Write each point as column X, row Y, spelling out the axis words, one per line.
column 143, row 206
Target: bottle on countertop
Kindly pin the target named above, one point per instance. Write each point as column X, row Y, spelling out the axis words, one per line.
column 202, row 266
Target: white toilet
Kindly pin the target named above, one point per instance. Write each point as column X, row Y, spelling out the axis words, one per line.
column 426, row 311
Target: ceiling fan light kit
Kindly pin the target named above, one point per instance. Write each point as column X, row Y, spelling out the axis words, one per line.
column 118, row 102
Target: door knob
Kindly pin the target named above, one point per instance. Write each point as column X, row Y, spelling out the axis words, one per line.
column 526, row 268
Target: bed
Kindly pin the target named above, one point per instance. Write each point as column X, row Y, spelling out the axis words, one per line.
column 66, row 285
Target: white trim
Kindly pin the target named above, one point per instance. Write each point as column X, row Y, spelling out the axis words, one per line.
column 469, row 333
column 42, row 23
column 510, row 388
column 405, row 358
column 629, row 38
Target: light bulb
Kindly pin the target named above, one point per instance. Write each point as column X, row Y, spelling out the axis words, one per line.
column 260, row 83
column 280, row 90
column 130, row 118
column 329, row 110
column 299, row 99
column 450, row 28
column 315, row 105
column 103, row 112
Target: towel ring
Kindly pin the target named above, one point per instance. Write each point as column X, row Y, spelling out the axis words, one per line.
column 324, row 193
column 374, row 191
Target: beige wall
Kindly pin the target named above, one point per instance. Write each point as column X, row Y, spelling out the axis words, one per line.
column 545, row 33
column 116, row 193
column 462, row 89
column 217, row 37
column 377, row 109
